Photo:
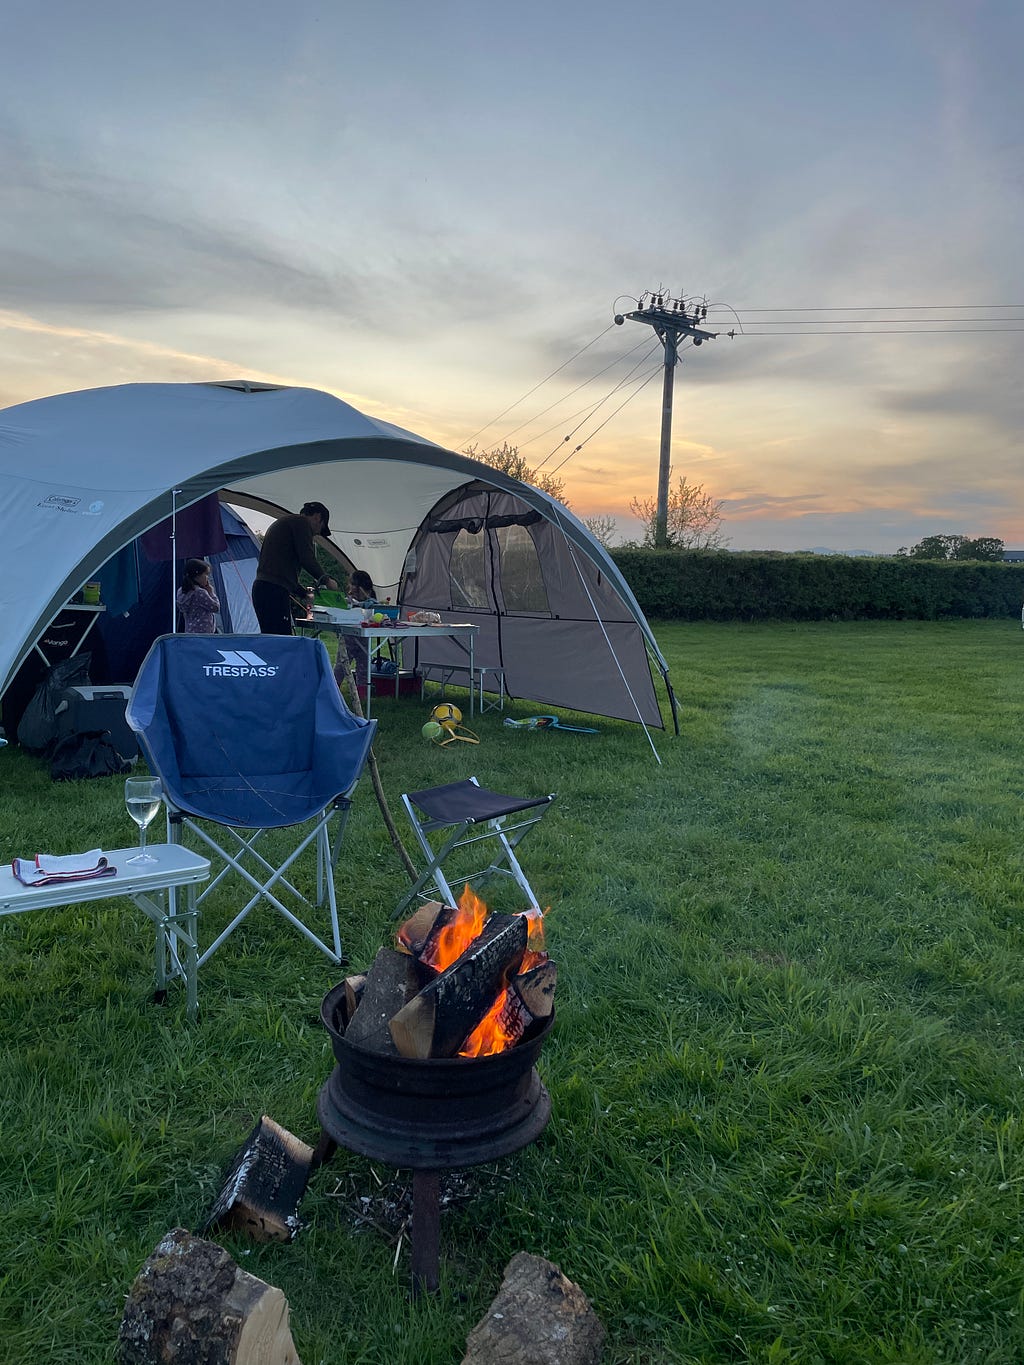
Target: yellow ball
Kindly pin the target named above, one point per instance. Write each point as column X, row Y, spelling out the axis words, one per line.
column 448, row 715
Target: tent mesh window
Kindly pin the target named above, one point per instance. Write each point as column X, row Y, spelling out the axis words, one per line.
column 469, row 570
column 522, row 579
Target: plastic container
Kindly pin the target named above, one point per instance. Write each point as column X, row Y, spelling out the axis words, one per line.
column 330, row 597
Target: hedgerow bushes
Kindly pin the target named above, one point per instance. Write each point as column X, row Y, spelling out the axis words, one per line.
column 720, row 585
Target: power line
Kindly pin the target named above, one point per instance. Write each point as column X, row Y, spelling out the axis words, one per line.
column 888, row 331
column 583, row 385
column 601, row 402
column 640, row 387
column 877, row 308
column 526, row 395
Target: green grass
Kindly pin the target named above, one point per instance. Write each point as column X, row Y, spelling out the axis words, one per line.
column 786, row 1076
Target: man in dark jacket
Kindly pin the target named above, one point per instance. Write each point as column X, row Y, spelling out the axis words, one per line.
column 288, row 548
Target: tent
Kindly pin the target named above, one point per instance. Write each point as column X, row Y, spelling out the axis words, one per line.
column 83, row 474
column 149, row 607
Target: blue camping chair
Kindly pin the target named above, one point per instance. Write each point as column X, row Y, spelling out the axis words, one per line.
column 249, row 733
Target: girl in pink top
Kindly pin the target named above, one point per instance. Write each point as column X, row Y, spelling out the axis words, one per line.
column 197, row 601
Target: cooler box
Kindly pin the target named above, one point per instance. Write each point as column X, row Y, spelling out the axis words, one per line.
column 92, row 709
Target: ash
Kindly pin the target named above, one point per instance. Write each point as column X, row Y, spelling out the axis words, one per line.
column 381, row 1198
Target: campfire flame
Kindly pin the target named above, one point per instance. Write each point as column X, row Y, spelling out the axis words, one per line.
column 491, row 1034
column 455, row 938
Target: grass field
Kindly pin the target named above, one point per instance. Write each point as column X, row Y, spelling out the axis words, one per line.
column 786, row 1070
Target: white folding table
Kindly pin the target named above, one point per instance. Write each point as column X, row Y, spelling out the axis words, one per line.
column 150, row 886
column 396, row 630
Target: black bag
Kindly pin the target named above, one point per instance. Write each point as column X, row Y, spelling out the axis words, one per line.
column 87, row 755
column 37, row 730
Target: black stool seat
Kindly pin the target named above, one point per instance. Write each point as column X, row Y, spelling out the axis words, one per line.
column 460, row 809
column 465, row 801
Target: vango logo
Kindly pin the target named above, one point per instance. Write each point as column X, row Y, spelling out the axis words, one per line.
column 240, row 663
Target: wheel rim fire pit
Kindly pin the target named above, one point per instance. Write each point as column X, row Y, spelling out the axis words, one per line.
column 429, row 1114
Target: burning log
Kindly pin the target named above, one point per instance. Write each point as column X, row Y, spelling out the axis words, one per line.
column 536, row 989
column 437, row 1021
column 421, row 928
column 190, row 1302
column 391, row 981
column 530, row 996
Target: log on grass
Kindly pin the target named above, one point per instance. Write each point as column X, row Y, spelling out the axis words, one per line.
column 540, row 1317
column 191, row 1304
column 261, row 1192
column 390, row 982
column 437, row 1021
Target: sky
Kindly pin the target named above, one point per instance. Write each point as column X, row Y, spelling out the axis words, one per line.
column 435, row 211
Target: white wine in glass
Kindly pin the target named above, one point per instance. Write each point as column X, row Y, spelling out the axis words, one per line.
column 142, row 797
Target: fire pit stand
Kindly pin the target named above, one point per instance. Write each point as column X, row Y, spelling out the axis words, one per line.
column 429, row 1116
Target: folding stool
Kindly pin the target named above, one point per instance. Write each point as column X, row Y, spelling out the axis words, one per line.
column 469, row 814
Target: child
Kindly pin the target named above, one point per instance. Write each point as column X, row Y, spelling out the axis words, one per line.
column 197, row 600
column 361, row 592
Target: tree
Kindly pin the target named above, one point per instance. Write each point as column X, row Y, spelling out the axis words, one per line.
column 508, row 459
column 955, row 547
column 603, row 529
column 694, row 518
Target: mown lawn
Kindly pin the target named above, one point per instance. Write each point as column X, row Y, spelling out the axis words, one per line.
column 786, row 1070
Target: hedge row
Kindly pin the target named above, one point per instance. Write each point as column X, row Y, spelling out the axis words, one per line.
column 720, row 585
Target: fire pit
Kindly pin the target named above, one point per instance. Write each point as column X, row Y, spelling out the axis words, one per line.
column 462, row 982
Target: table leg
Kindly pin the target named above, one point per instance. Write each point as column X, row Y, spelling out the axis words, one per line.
column 471, row 688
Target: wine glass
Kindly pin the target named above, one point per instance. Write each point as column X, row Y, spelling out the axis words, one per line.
column 142, row 798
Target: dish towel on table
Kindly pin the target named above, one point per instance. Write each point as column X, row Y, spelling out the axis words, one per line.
column 47, row 869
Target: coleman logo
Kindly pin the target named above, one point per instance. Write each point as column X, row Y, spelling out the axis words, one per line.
column 240, row 663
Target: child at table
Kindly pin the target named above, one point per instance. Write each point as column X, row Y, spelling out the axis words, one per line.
column 196, row 599
column 360, row 592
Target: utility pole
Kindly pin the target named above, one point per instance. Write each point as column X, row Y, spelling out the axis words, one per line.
column 671, row 319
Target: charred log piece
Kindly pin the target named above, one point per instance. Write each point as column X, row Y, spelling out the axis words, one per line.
column 536, row 989
column 263, row 1187
column 442, row 1016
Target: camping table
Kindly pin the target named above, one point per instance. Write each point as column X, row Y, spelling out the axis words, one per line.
column 94, row 610
column 146, row 884
column 395, row 630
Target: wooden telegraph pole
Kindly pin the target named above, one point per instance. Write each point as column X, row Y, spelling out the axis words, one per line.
column 672, row 319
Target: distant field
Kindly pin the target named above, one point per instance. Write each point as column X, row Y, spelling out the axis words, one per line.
column 785, row 1073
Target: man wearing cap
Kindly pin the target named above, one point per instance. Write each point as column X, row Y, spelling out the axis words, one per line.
column 288, row 548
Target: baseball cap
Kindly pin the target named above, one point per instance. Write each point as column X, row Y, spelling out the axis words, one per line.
column 308, row 508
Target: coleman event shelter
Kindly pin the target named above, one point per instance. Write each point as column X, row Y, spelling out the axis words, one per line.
column 83, row 474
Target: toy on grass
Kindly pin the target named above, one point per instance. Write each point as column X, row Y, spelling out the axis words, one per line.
column 447, row 715
column 445, row 725
column 549, row 723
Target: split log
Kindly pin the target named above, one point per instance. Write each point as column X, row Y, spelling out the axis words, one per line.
column 442, row 1016
column 191, row 1305
column 538, row 1318
column 418, row 930
column 390, row 982
column 536, row 989
column 530, row 996
column 354, row 987
column 263, row 1187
